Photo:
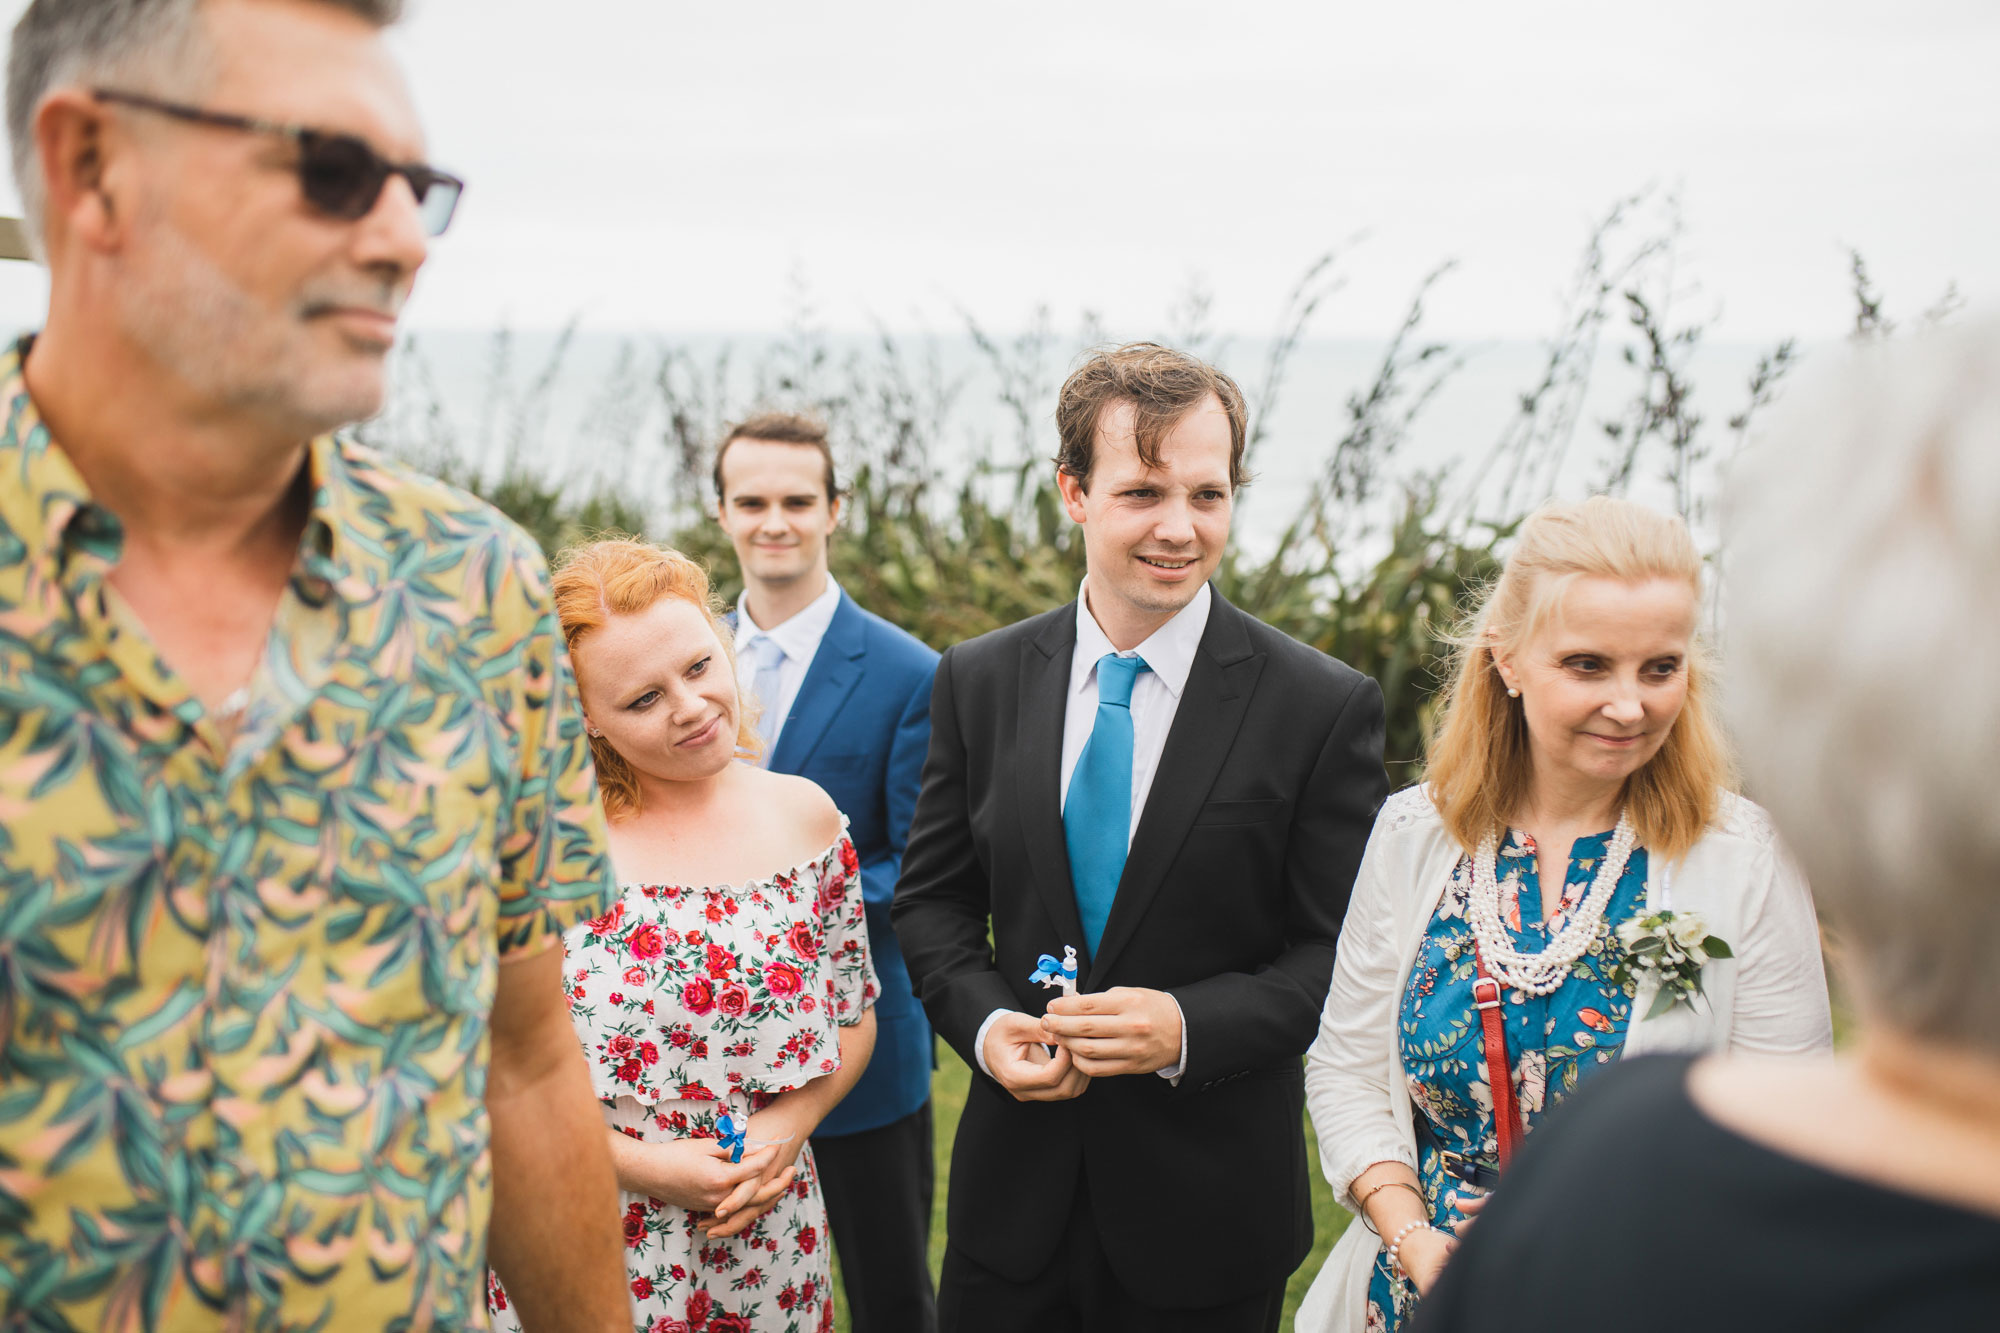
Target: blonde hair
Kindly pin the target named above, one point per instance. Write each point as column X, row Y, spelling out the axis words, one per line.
column 1480, row 763
column 598, row 580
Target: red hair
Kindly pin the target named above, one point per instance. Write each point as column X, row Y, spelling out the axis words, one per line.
column 598, row 580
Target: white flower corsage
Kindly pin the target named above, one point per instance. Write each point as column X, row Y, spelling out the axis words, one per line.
column 1671, row 948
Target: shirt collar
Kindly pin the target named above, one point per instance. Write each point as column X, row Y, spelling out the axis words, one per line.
column 1169, row 650
column 44, row 495
column 799, row 636
column 48, row 506
column 324, row 553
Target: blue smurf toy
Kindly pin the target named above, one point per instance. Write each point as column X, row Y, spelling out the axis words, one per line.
column 734, row 1134
column 731, row 1135
column 1055, row 975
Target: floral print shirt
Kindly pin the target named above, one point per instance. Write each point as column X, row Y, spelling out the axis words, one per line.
column 1554, row 1042
column 245, row 973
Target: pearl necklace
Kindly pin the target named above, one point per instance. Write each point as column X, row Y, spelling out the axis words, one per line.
column 1541, row 973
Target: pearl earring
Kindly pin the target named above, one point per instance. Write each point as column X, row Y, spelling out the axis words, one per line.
column 1513, row 693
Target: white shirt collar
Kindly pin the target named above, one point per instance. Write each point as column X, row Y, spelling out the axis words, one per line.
column 799, row 636
column 1169, row 650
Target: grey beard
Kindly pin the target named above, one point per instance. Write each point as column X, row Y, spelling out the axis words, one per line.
column 211, row 334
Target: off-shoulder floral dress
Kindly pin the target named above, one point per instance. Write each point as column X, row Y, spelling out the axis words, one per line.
column 690, row 1001
column 1554, row 1042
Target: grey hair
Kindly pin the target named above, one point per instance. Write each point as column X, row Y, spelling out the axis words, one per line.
column 1863, row 632
column 61, row 42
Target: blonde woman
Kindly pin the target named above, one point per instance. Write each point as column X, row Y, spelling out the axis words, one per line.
column 1858, row 1194
column 729, row 989
column 1576, row 882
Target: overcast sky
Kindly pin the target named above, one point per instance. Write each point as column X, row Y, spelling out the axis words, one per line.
column 665, row 165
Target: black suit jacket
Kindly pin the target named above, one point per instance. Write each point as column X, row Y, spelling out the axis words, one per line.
column 1231, row 900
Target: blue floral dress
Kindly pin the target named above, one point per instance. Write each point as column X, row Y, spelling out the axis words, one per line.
column 1554, row 1041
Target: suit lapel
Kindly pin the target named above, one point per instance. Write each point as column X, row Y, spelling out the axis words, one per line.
column 1043, row 704
column 1211, row 710
column 834, row 672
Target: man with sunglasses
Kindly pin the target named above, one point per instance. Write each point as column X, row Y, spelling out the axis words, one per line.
column 294, row 797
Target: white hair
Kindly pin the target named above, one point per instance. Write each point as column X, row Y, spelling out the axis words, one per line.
column 1863, row 642
column 62, row 43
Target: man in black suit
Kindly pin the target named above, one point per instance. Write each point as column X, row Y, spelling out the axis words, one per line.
column 1181, row 794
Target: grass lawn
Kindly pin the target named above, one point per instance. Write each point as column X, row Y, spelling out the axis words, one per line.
column 948, row 1087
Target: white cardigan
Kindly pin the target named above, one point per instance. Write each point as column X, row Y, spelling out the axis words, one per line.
column 1771, row 998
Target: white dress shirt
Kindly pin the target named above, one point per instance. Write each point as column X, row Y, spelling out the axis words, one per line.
column 1156, row 694
column 1156, row 698
column 799, row 638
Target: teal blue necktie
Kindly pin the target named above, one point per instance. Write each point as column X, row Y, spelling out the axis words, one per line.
column 1097, row 818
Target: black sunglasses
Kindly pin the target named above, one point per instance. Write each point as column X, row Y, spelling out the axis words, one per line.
column 339, row 174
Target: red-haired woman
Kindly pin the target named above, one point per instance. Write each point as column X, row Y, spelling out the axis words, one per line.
column 1575, row 882
column 732, row 977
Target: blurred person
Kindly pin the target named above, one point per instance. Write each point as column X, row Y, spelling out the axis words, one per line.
column 1576, row 825
column 844, row 700
column 296, row 796
column 1179, row 793
column 731, row 979
column 1860, row 1192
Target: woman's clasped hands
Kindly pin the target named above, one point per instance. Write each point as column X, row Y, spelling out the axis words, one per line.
column 696, row 1174
column 777, row 1137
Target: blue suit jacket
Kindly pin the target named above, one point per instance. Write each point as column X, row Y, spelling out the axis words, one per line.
column 860, row 728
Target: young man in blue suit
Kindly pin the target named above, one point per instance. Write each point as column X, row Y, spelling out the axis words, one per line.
column 846, row 702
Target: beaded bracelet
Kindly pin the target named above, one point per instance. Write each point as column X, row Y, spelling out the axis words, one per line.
column 1395, row 1263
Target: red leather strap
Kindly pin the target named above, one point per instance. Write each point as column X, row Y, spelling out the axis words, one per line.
column 1487, row 995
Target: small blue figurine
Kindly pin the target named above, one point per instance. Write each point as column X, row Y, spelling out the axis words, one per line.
column 1053, row 975
column 736, row 1136
column 731, row 1135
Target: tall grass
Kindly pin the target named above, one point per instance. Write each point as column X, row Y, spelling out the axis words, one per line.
column 953, row 525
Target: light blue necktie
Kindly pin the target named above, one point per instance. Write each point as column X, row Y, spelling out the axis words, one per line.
column 767, row 685
column 1097, row 818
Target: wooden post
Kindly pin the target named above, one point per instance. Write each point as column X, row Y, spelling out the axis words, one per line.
column 13, row 240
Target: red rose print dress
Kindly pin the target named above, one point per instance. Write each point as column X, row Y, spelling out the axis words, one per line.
column 686, row 996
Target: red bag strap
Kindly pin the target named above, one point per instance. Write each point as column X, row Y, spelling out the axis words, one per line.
column 1486, row 996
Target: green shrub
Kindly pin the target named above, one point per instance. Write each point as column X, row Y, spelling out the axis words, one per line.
column 1374, row 562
